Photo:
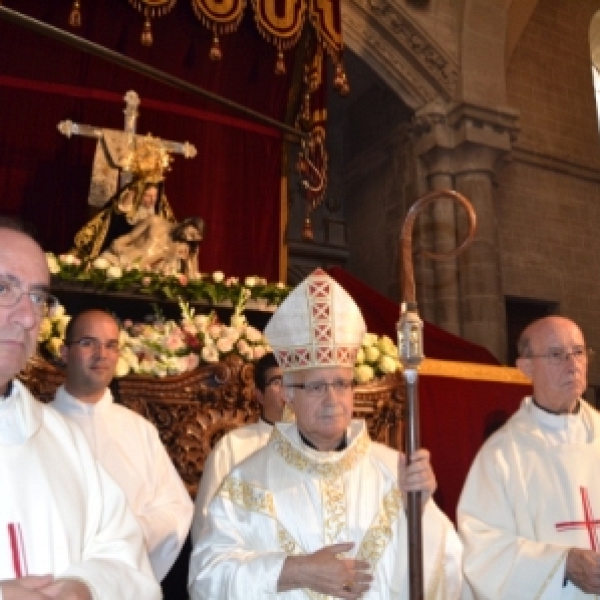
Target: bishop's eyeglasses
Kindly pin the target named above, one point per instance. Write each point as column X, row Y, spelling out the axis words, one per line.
column 318, row 389
column 558, row 356
column 43, row 302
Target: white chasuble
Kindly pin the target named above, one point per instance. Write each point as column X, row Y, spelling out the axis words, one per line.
column 287, row 499
column 60, row 513
column 532, row 493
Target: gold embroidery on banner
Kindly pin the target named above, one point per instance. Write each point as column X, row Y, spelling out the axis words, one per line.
column 380, row 532
column 334, row 509
column 252, row 498
column 330, row 470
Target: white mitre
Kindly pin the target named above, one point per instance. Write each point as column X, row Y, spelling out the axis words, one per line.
column 317, row 325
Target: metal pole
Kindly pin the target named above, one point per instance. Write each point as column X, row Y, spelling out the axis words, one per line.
column 139, row 67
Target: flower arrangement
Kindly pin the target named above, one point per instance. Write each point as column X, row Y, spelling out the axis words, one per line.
column 167, row 347
column 377, row 356
column 214, row 288
column 52, row 331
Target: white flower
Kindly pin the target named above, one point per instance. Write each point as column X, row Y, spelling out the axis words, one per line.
column 53, row 265
column 210, row 354
column 69, row 259
column 372, row 354
column 253, row 335
column 54, row 345
column 363, row 373
column 258, row 352
column 360, row 356
column 114, row 272
column 218, row 276
column 280, row 285
column 370, row 339
column 214, row 331
column 45, row 329
column 61, row 325
column 122, row 368
column 231, row 333
column 101, row 263
column 242, row 347
column 250, row 281
column 225, row 345
column 387, row 364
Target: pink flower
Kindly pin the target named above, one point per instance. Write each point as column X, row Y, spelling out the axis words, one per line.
column 183, row 280
column 259, row 352
column 146, row 281
column 224, row 345
column 127, row 323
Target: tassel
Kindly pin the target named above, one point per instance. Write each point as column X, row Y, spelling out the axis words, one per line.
column 75, row 16
column 307, row 231
column 147, row 33
column 215, row 50
column 305, row 120
column 280, row 64
column 340, row 81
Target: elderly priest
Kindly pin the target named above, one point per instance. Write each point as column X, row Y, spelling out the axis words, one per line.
column 319, row 511
column 65, row 529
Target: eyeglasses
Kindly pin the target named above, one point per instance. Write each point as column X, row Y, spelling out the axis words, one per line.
column 43, row 303
column 91, row 344
column 558, row 356
column 317, row 389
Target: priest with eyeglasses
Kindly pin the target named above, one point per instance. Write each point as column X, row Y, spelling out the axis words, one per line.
column 319, row 511
column 530, row 508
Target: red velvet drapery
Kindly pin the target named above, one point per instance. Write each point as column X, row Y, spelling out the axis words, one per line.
column 233, row 183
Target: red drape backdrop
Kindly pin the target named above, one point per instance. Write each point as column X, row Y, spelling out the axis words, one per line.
column 457, row 415
column 233, row 183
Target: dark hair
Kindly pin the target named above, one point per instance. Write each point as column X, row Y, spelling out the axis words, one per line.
column 177, row 232
column 18, row 225
column 71, row 325
column 261, row 367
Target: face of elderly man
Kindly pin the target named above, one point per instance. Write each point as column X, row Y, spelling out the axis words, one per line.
column 556, row 363
column 22, row 263
column 323, row 405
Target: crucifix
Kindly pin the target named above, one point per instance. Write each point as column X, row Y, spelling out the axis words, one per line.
column 112, row 147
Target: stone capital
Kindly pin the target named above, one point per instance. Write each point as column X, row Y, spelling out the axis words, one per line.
column 454, row 138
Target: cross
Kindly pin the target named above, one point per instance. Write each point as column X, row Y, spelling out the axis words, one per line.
column 589, row 523
column 113, row 145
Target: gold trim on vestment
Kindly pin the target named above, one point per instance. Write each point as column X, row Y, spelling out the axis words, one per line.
column 379, row 533
column 249, row 496
column 333, row 499
column 332, row 470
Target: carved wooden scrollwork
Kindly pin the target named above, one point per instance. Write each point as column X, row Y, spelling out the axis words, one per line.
column 193, row 411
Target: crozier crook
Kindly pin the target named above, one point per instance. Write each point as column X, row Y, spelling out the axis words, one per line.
column 410, row 348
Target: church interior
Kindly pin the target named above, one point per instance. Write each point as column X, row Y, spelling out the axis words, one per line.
column 316, row 126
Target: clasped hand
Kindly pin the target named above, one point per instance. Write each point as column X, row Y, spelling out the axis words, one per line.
column 327, row 572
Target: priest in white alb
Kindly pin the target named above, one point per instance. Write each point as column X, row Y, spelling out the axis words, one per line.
column 241, row 442
column 319, row 511
column 529, row 511
column 66, row 532
column 126, row 444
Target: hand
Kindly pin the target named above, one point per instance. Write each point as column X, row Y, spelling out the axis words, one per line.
column 417, row 476
column 26, row 588
column 583, row 570
column 327, row 573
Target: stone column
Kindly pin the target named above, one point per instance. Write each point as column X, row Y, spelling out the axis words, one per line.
column 461, row 146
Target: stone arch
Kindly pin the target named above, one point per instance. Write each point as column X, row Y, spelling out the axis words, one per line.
column 404, row 56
